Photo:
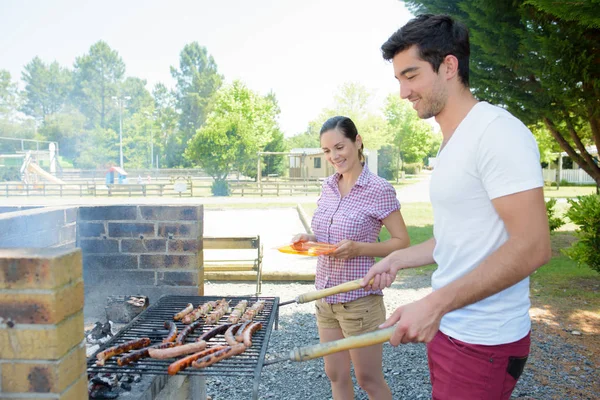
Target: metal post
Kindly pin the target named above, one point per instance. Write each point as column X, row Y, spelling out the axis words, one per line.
column 120, row 132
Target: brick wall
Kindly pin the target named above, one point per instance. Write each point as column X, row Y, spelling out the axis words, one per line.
column 39, row 228
column 148, row 249
column 42, row 353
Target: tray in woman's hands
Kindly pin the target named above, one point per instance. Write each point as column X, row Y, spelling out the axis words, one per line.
column 308, row 248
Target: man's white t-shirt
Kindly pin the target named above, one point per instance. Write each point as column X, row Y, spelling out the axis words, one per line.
column 491, row 154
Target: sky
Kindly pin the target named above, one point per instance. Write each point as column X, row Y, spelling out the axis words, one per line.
column 302, row 50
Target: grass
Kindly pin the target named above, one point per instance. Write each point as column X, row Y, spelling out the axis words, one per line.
column 569, row 191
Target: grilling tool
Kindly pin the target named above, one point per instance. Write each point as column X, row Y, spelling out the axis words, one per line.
column 319, row 294
column 324, row 349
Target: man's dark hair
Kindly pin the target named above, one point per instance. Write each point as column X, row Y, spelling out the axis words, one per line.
column 435, row 36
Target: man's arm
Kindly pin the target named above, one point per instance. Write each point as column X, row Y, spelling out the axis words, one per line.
column 527, row 248
column 384, row 272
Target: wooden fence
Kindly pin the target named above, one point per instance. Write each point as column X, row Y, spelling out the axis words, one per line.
column 577, row 176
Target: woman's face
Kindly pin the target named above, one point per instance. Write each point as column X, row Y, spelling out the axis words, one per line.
column 340, row 151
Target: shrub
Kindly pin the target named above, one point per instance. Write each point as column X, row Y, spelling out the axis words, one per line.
column 553, row 221
column 220, row 187
column 585, row 212
column 412, row 168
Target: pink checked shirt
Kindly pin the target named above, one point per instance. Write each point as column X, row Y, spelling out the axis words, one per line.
column 358, row 217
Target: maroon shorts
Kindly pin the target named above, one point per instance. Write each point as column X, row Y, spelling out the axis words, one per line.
column 464, row 371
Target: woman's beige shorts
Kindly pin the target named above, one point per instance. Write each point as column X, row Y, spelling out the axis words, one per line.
column 355, row 317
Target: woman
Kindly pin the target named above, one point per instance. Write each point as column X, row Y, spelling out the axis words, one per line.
column 353, row 206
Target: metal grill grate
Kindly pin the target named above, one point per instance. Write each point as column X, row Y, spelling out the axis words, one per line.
column 150, row 323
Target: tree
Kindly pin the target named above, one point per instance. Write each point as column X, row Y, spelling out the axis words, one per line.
column 197, row 81
column 413, row 138
column 9, row 98
column 47, row 88
column 241, row 124
column 97, row 149
column 98, row 76
column 351, row 100
column 68, row 129
column 540, row 60
column 165, row 123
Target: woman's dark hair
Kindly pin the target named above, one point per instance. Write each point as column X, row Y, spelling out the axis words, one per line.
column 436, row 36
column 347, row 128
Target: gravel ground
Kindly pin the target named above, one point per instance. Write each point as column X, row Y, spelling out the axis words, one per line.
column 405, row 367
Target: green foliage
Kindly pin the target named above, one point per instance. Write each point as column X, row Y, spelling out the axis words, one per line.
column 66, row 128
column 10, row 174
column 241, row 124
column 98, row 149
column 554, row 221
column 584, row 211
column 97, row 79
column 412, row 136
column 166, row 120
column 387, row 162
column 539, row 59
column 306, row 140
column 274, row 164
column 220, row 187
column 197, row 82
column 47, row 88
column 413, row 168
column 9, row 98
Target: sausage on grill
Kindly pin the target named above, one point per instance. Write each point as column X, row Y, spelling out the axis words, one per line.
column 237, row 312
column 176, row 351
column 121, row 348
column 239, row 337
column 247, row 334
column 188, row 309
column 198, row 312
column 142, row 353
column 172, row 332
column 185, row 362
column 230, row 334
column 227, row 352
column 186, row 331
column 206, row 336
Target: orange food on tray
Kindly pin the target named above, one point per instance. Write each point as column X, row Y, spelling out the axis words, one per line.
column 308, row 248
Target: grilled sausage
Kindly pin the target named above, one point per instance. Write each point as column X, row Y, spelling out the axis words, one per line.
column 227, row 352
column 185, row 362
column 184, row 312
column 229, row 334
column 121, row 348
column 214, row 332
column 176, row 351
column 239, row 337
column 142, row 353
column 237, row 312
column 217, row 314
column 186, row 331
column 248, row 332
column 198, row 312
column 172, row 332
column 253, row 311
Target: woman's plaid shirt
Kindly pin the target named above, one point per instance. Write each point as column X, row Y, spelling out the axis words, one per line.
column 358, row 217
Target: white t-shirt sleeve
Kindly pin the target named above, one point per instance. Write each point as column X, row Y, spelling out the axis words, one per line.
column 508, row 159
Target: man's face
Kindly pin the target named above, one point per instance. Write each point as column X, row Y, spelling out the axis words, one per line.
column 419, row 84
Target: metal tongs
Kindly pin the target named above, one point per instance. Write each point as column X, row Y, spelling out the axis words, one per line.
column 323, row 349
column 319, row 294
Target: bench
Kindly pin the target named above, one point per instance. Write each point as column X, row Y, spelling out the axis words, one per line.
column 236, row 264
column 130, row 188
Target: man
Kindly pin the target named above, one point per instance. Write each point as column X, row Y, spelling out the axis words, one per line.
column 490, row 224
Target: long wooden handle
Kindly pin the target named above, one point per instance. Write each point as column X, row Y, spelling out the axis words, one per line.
column 319, row 294
column 353, row 342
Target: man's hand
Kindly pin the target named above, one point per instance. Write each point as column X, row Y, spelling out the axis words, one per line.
column 417, row 322
column 382, row 273
column 346, row 249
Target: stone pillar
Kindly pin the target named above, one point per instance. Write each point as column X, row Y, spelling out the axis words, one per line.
column 42, row 353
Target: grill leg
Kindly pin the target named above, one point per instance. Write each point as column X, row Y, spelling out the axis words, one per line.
column 197, row 388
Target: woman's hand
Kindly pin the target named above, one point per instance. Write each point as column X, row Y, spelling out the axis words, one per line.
column 346, row 249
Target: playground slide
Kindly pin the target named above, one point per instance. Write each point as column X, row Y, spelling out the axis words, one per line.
column 36, row 169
